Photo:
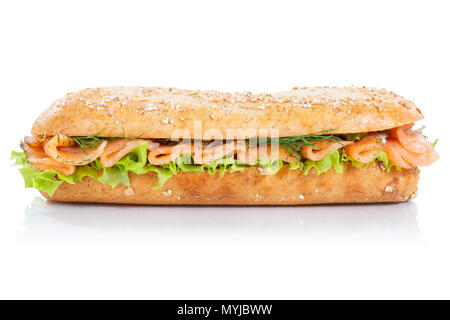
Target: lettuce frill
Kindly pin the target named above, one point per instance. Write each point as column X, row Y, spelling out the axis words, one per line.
column 136, row 162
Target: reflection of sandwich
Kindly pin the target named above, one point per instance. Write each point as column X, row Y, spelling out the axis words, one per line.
column 169, row 146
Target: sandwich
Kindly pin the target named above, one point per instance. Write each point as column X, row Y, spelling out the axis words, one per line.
column 311, row 145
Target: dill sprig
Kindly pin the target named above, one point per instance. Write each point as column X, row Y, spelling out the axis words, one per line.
column 94, row 140
column 89, row 142
column 293, row 144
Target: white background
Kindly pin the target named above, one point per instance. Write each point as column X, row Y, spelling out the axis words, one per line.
column 49, row 250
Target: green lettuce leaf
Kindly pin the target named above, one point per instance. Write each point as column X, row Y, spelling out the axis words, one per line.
column 33, row 178
column 435, row 143
column 114, row 176
column 185, row 164
column 390, row 165
column 167, row 171
column 234, row 165
column 79, row 174
column 164, row 173
column 47, row 180
column 211, row 167
column 382, row 157
column 20, row 158
column 346, row 158
column 111, row 176
column 336, row 161
column 172, row 167
column 337, row 158
column 270, row 166
column 225, row 165
column 44, row 181
column 331, row 160
column 355, row 136
column 298, row 165
column 135, row 161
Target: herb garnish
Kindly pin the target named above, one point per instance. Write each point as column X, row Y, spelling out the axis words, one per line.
column 293, row 144
column 93, row 141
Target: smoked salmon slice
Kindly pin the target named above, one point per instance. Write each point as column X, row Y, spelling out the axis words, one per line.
column 406, row 159
column 410, row 140
column 404, row 147
column 407, row 148
column 202, row 154
column 215, row 151
column 116, row 150
column 34, row 142
column 320, row 149
column 365, row 149
column 63, row 149
column 152, row 144
column 41, row 161
column 165, row 154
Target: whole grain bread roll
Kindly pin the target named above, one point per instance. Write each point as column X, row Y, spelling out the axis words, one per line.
column 165, row 113
column 367, row 184
column 168, row 113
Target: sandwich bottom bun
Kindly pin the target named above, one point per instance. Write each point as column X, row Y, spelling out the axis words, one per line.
column 370, row 183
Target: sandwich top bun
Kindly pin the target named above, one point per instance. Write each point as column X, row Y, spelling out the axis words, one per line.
column 158, row 112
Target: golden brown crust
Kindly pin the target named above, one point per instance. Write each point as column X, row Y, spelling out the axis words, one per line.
column 157, row 112
column 288, row 187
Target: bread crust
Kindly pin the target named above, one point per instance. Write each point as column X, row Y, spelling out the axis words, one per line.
column 158, row 112
column 367, row 184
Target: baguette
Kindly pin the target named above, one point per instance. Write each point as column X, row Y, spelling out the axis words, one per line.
column 336, row 145
column 368, row 184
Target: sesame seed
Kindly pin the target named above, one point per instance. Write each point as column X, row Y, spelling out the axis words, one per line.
column 150, row 107
column 128, row 192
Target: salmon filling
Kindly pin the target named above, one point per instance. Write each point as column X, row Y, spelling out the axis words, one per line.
column 110, row 159
column 404, row 147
